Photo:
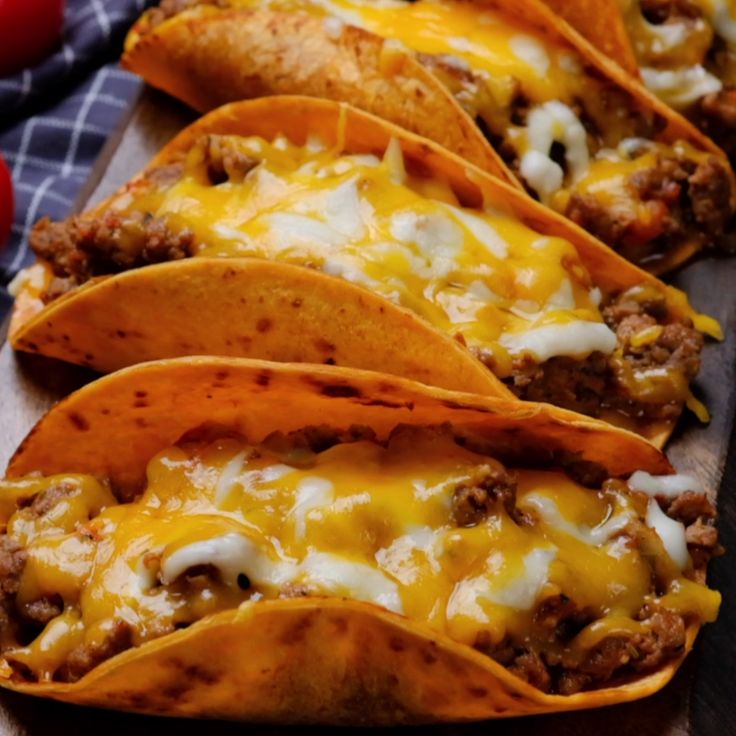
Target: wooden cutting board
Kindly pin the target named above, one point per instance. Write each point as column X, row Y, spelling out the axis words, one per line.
column 701, row 701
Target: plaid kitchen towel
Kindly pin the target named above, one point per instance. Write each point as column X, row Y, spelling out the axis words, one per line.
column 55, row 118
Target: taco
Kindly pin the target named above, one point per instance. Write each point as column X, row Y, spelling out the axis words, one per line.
column 376, row 215
column 269, row 542
column 584, row 137
column 684, row 51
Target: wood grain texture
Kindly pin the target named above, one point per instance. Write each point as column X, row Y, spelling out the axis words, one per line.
column 699, row 702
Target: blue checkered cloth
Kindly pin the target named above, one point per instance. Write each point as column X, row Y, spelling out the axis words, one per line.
column 55, row 118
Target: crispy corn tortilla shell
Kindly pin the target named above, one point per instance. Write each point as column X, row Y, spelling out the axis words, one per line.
column 89, row 316
column 602, row 23
column 146, row 408
column 251, row 308
column 209, row 59
column 267, row 661
column 237, row 53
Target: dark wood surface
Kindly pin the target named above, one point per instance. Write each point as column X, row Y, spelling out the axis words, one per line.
column 701, row 701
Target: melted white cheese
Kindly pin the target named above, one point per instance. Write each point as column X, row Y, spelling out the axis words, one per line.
column 671, row 532
column 311, row 493
column 546, row 510
column 333, row 27
column 439, row 239
column 331, row 574
column 668, row 486
column 228, row 478
column 541, row 173
column 398, row 559
column 576, row 339
column 482, row 231
column 528, row 49
column 668, row 36
column 720, row 14
column 232, row 554
column 33, row 277
column 547, row 123
column 681, row 87
column 520, row 594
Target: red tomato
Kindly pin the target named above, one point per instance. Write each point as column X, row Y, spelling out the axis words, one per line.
column 29, row 32
column 6, row 203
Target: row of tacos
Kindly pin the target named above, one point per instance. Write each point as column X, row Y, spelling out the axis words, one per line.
column 183, row 536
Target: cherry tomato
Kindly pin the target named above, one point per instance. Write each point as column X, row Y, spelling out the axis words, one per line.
column 29, row 32
column 6, row 203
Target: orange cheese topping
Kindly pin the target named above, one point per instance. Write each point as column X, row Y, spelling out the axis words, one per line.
column 225, row 523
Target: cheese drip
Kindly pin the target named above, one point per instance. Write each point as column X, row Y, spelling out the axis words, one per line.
column 222, row 523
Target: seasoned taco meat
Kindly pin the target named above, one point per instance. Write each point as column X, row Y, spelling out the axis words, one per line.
column 650, row 343
column 86, row 657
column 79, row 248
column 681, row 199
column 12, row 561
column 715, row 114
column 474, row 501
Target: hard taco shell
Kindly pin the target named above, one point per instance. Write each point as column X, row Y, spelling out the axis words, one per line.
column 84, row 326
column 267, row 661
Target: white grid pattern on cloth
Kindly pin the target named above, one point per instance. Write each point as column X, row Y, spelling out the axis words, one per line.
column 55, row 118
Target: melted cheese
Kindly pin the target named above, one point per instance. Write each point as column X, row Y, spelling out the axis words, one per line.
column 546, row 124
column 667, row 486
column 223, row 523
column 679, row 88
column 676, row 57
column 722, row 15
column 671, row 532
column 478, row 273
column 577, row 339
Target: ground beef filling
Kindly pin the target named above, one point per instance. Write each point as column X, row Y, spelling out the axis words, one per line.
column 80, row 248
column 683, row 201
column 475, row 500
column 618, row 382
column 715, row 115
